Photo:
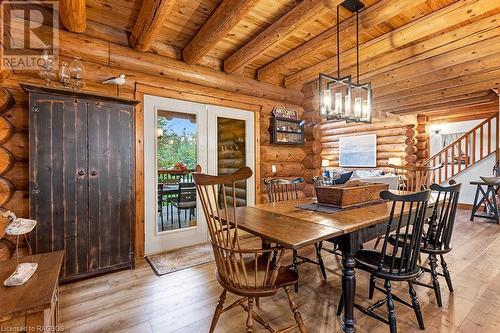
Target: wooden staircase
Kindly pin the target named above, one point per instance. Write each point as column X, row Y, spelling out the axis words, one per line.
column 465, row 152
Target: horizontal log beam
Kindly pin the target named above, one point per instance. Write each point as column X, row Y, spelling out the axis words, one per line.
column 125, row 59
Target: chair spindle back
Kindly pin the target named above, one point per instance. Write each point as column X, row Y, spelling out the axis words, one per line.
column 241, row 270
column 279, row 189
column 415, row 178
column 440, row 229
column 407, row 219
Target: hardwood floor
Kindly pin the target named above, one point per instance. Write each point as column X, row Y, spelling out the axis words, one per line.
column 183, row 302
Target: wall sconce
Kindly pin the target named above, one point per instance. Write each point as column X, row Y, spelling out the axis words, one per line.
column 436, row 129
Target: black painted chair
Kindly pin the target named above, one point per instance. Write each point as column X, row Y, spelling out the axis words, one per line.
column 287, row 189
column 395, row 263
column 437, row 239
column 185, row 201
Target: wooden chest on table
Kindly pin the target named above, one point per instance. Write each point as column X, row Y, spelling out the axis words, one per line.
column 350, row 194
column 33, row 306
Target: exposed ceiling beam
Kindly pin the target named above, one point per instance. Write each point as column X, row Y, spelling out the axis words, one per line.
column 149, row 22
column 225, row 17
column 438, row 95
column 368, row 18
column 459, row 70
column 480, row 98
column 306, row 10
column 431, row 86
column 429, row 25
column 73, row 15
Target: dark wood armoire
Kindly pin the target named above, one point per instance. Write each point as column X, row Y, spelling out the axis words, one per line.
column 82, row 179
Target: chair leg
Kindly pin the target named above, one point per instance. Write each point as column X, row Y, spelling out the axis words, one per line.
column 416, row 305
column 218, row 310
column 179, row 217
column 379, row 238
column 340, row 307
column 446, row 273
column 250, row 315
column 295, row 311
column 435, row 280
column 373, row 280
column 318, row 247
column 295, row 268
column 391, row 313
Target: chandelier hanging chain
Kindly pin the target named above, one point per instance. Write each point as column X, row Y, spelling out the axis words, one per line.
column 338, row 44
column 357, row 47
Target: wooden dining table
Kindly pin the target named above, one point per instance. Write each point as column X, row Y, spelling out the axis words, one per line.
column 292, row 227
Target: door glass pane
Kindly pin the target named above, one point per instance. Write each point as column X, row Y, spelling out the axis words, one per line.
column 176, row 160
column 231, row 154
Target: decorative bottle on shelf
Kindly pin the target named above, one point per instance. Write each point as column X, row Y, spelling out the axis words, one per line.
column 77, row 72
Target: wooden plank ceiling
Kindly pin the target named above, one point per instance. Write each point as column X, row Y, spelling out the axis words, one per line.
column 420, row 55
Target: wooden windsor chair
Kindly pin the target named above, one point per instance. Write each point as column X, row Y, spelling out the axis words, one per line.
column 284, row 190
column 437, row 238
column 415, row 178
column 396, row 263
column 249, row 273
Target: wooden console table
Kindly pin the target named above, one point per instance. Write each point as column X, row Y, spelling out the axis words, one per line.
column 32, row 307
column 491, row 192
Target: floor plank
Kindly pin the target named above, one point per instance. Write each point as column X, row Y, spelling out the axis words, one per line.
column 183, row 302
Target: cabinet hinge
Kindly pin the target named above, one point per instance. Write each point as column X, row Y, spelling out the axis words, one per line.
column 35, row 109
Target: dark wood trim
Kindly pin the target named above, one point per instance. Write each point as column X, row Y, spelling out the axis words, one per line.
column 77, row 94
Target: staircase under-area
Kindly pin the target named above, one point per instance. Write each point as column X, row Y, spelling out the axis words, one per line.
column 467, row 151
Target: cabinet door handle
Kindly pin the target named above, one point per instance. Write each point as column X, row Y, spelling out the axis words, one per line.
column 81, row 172
column 93, row 173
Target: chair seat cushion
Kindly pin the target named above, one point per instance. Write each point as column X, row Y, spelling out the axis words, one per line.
column 368, row 260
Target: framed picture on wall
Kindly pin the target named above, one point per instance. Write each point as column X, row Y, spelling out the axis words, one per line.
column 358, row 151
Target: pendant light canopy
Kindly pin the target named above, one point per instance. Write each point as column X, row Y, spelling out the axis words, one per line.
column 340, row 98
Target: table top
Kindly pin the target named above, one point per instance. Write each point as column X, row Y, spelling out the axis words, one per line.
column 293, row 227
column 37, row 293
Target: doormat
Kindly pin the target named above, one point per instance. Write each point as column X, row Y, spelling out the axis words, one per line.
column 176, row 260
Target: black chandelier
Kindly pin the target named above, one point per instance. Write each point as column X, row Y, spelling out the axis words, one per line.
column 339, row 98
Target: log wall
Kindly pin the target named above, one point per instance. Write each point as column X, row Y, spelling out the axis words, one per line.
column 153, row 75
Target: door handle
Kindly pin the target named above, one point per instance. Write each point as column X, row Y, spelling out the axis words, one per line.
column 93, row 173
column 81, row 172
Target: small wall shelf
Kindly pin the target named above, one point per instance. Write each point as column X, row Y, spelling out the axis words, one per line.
column 287, row 131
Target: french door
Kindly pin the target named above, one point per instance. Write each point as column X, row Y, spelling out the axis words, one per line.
column 218, row 139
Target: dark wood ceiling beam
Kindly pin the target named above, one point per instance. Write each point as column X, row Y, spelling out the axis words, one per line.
column 456, row 13
column 369, row 17
column 149, row 22
column 304, row 11
column 220, row 23
column 73, row 15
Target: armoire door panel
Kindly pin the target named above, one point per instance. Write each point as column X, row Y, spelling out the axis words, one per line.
column 75, row 192
column 58, row 201
column 110, row 181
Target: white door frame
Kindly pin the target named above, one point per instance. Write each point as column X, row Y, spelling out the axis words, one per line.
column 206, row 116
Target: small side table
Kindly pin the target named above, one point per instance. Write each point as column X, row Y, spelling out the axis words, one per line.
column 32, row 307
column 491, row 191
